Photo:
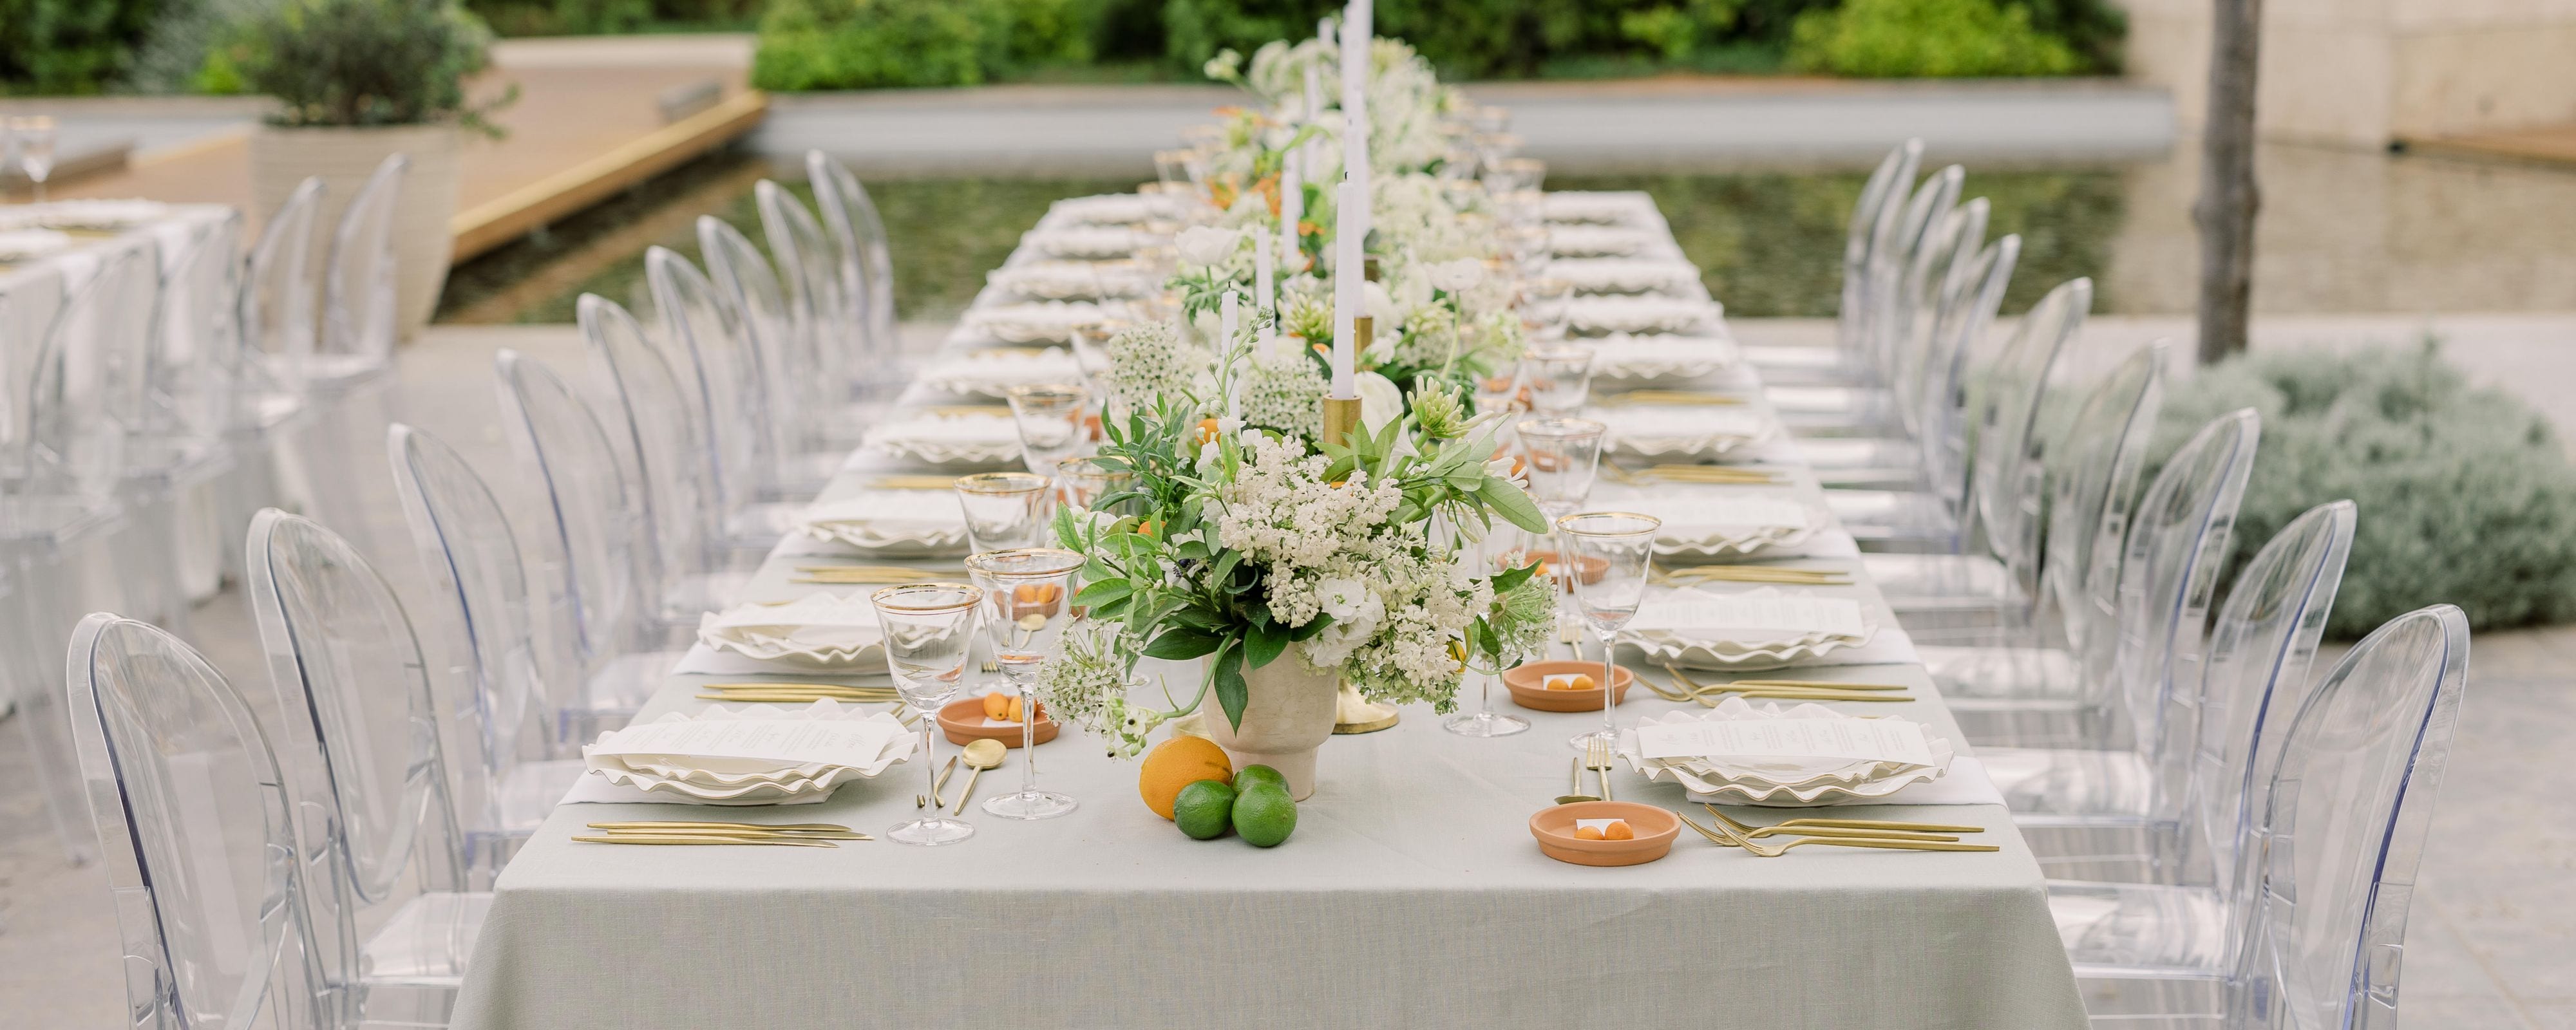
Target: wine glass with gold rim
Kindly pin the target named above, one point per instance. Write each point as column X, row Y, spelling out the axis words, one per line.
column 1613, row 550
column 929, row 631
column 1028, row 601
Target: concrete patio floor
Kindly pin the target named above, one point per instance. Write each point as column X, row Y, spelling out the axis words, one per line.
column 2493, row 923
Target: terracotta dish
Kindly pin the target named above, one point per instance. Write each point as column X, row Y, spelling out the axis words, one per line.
column 962, row 721
column 1528, row 686
column 1655, row 828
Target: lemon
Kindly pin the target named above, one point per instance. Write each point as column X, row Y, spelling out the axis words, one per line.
column 1253, row 774
column 1264, row 814
column 1203, row 809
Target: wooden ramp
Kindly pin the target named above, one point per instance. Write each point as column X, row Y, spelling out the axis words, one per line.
column 579, row 133
column 2548, row 144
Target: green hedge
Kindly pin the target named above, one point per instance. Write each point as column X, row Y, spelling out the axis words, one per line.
column 597, row 17
column 2465, row 495
column 846, row 44
column 865, row 44
column 69, row 46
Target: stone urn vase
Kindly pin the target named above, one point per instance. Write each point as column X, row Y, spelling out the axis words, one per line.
column 1287, row 714
column 281, row 157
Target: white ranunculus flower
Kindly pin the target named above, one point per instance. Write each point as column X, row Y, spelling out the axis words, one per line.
column 1458, row 276
column 1341, row 598
column 1207, row 245
column 1380, row 401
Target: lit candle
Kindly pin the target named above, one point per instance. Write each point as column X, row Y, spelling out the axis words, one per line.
column 1355, row 73
column 1350, row 218
column 1292, row 208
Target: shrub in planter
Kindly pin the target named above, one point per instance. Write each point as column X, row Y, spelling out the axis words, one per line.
column 1927, row 38
column 2466, row 495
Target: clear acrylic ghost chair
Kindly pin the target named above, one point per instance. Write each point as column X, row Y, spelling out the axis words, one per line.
column 2312, row 931
column 2176, row 547
column 524, row 631
column 1932, row 515
column 277, row 307
column 1870, row 409
column 866, row 260
column 379, row 848
column 594, row 545
column 195, row 830
column 195, row 344
column 1844, row 361
column 721, row 373
column 805, row 262
column 658, row 444
column 358, row 285
column 1996, row 569
column 814, row 440
column 1936, row 288
column 348, row 382
column 2183, row 777
column 510, row 697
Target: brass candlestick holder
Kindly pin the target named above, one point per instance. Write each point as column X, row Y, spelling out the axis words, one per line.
column 1342, row 414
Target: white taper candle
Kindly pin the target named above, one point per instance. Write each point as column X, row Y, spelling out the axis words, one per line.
column 1350, row 217
column 1292, row 208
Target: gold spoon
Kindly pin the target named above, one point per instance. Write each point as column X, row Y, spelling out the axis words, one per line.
column 980, row 755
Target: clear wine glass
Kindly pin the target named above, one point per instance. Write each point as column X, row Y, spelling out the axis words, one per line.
column 1051, row 421
column 1559, row 458
column 1611, row 553
column 35, row 136
column 1499, row 551
column 1028, row 600
column 1087, row 480
column 1560, row 378
column 929, row 631
column 1545, row 303
column 1005, row 510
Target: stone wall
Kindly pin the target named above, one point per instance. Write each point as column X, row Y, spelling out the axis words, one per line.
column 2373, row 72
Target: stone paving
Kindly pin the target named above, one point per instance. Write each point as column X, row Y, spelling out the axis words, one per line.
column 2492, row 925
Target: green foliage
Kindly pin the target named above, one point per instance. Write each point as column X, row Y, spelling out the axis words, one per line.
column 2465, row 495
column 868, row 44
column 362, row 62
column 69, row 46
column 1194, row 30
column 1927, row 38
column 593, row 17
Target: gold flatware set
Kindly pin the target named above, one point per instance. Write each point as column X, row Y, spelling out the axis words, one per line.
column 913, row 483
column 679, row 831
column 1772, row 574
column 1839, row 833
column 872, row 575
column 1713, row 475
column 1708, row 695
column 1672, row 398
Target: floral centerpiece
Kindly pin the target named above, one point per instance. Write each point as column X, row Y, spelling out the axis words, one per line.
column 1286, row 569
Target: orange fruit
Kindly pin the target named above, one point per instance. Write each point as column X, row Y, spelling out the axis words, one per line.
column 996, row 706
column 1587, row 833
column 1618, row 831
column 1581, row 682
column 1014, row 715
column 1207, row 430
column 1177, row 763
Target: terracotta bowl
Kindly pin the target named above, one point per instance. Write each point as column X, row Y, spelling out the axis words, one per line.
column 1528, row 686
column 962, row 721
column 1656, row 828
column 1590, row 569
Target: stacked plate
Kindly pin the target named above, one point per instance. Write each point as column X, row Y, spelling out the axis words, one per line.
column 1765, row 628
column 734, row 777
column 1684, row 431
column 820, row 631
column 1071, row 280
column 1625, row 275
column 1053, row 321
column 900, row 521
column 1583, row 207
column 1085, row 242
column 1575, row 241
column 994, row 373
column 1786, row 779
column 1643, row 313
column 1659, row 356
column 1725, row 524
column 948, row 441
column 1100, row 209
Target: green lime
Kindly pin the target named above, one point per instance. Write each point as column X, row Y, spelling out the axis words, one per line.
column 1203, row 809
column 1264, row 814
column 1253, row 774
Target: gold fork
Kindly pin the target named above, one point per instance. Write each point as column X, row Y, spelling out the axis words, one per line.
column 913, row 483
column 1596, row 757
column 1672, row 398
column 1811, row 690
column 1752, row 574
column 799, row 831
column 1777, row 850
column 1830, row 823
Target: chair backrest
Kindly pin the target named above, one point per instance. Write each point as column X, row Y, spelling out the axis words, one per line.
column 1956, row 338
column 358, row 286
column 29, row 300
column 357, row 733
column 787, row 361
column 2261, row 644
column 1893, row 179
column 1932, row 289
column 719, row 373
column 276, row 308
column 599, row 540
column 859, row 237
column 2092, row 481
column 197, row 366
column 2339, row 830
column 2176, row 548
column 1922, row 216
column 813, row 280
column 194, row 829
column 505, row 688
column 658, row 441
column 2006, row 483
column 91, row 385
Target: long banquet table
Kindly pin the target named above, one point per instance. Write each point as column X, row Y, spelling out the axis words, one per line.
column 1411, row 895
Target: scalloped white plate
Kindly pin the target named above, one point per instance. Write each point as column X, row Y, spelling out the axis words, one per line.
column 1757, row 652
column 1643, row 313
column 1784, row 782
column 743, row 785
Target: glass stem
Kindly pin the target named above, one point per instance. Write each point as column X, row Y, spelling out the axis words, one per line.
column 1028, row 741
column 1609, row 690
column 929, row 756
column 1485, row 697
